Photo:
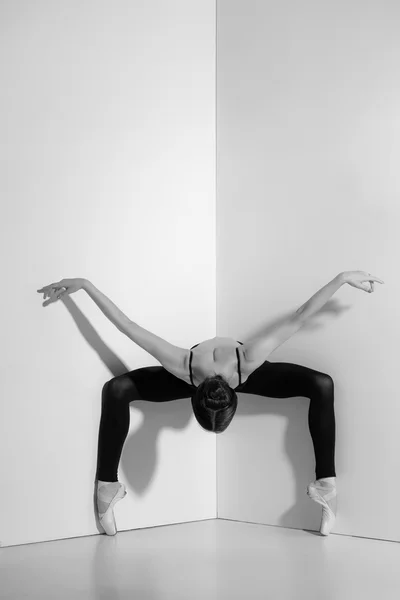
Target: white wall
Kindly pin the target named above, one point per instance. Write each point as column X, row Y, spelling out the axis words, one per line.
column 308, row 132
column 107, row 172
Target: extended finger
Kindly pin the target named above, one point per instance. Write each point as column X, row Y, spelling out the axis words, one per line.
column 47, row 302
column 45, row 289
column 373, row 278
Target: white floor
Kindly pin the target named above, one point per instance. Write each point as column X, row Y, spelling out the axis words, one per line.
column 215, row 559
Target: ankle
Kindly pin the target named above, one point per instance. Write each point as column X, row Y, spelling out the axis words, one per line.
column 327, row 481
column 101, row 483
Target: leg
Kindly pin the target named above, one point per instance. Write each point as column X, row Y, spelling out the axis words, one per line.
column 155, row 384
column 148, row 383
column 285, row 380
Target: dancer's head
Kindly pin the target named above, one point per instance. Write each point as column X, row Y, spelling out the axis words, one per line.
column 214, row 404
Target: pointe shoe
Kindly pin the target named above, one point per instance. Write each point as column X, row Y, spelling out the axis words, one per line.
column 326, row 496
column 105, row 508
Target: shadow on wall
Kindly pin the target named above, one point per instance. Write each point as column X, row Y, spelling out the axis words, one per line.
column 332, row 308
column 297, row 443
column 140, row 450
column 139, row 456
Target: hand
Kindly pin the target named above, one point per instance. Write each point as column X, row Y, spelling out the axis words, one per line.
column 356, row 278
column 69, row 286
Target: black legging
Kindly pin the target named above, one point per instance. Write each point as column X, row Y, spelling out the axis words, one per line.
column 275, row 380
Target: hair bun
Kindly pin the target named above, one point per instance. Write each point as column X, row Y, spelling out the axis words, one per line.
column 217, row 394
column 216, row 403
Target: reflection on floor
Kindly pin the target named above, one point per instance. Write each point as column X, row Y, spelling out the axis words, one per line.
column 214, row 559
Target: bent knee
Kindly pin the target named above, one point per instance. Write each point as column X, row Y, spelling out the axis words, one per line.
column 325, row 382
column 119, row 386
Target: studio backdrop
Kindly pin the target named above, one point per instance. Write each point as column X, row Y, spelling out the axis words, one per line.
column 208, row 166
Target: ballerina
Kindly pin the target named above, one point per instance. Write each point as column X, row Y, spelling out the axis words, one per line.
column 211, row 376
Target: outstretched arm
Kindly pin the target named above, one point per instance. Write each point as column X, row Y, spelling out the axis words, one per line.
column 111, row 311
column 256, row 351
column 170, row 356
column 316, row 302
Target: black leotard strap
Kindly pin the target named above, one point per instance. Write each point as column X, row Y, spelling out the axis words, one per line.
column 190, row 364
column 238, row 357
